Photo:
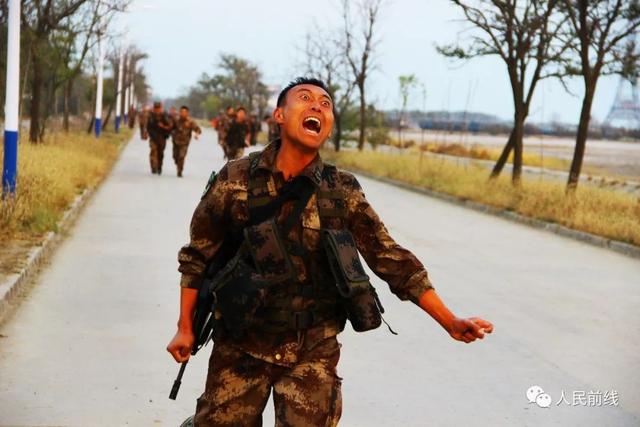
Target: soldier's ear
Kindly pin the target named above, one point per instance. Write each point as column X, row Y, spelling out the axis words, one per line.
column 278, row 115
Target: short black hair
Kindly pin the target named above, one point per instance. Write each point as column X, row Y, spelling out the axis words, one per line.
column 228, row 106
column 240, row 109
column 297, row 82
column 184, row 107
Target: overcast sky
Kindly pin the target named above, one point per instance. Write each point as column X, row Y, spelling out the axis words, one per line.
column 185, row 38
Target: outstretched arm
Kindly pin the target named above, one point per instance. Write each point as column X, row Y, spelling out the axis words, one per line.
column 467, row 330
column 405, row 274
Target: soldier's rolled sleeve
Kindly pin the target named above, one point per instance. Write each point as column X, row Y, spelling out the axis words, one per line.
column 405, row 274
column 207, row 233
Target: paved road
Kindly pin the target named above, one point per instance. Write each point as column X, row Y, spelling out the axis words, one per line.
column 87, row 346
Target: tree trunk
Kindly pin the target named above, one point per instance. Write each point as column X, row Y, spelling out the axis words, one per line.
column 581, row 138
column 502, row 160
column 90, row 128
column 106, row 119
column 363, row 117
column 36, row 94
column 92, row 105
column 68, row 88
column 338, row 135
column 518, row 134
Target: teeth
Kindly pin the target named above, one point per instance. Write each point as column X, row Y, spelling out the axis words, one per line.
column 312, row 119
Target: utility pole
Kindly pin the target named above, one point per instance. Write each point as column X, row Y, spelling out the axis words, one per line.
column 11, row 117
column 126, row 93
column 98, row 115
column 119, row 92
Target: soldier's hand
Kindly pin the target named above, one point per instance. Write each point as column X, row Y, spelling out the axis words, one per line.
column 181, row 344
column 468, row 330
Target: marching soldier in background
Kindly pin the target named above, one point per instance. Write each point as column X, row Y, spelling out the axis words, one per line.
column 274, row 129
column 302, row 223
column 132, row 117
column 173, row 116
column 238, row 135
column 142, row 121
column 184, row 126
column 159, row 128
column 224, row 121
column 254, row 128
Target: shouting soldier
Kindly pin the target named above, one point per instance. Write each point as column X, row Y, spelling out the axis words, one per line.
column 293, row 227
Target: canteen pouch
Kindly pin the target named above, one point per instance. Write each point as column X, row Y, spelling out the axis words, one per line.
column 359, row 297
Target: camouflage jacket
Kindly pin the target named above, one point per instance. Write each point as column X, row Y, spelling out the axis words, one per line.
column 182, row 130
column 224, row 121
column 237, row 133
column 224, row 205
column 153, row 125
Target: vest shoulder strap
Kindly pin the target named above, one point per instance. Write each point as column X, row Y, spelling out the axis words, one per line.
column 331, row 197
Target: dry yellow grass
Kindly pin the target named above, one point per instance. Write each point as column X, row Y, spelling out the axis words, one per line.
column 603, row 212
column 51, row 175
column 476, row 151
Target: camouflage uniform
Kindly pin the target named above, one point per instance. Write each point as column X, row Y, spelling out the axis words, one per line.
column 181, row 138
column 274, row 129
column 235, row 139
column 254, row 126
column 224, row 121
column 299, row 366
column 132, row 117
column 157, row 139
column 142, row 121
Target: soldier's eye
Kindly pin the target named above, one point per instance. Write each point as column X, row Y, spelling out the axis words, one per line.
column 305, row 96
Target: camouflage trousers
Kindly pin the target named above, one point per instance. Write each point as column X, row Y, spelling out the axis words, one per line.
column 238, row 388
column 156, row 153
column 179, row 154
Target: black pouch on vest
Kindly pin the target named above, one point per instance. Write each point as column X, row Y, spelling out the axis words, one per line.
column 359, row 296
column 243, row 284
column 268, row 251
column 239, row 292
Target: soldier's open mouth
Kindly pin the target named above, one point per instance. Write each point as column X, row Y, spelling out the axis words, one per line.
column 312, row 125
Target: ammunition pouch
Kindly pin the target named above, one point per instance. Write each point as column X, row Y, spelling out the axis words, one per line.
column 359, row 297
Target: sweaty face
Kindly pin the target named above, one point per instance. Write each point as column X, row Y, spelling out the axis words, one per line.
column 184, row 113
column 240, row 115
column 306, row 118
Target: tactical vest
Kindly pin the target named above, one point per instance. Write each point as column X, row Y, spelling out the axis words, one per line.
column 319, row 288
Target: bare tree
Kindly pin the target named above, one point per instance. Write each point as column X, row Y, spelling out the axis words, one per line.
column 324, row 58
column 523, row 34
column 601, row 34
column 54, row 30
column 358, row 50
column 406, row 83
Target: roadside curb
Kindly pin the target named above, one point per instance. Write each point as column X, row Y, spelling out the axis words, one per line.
column 11, row 288
column 15, row 285
column 615, row 245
